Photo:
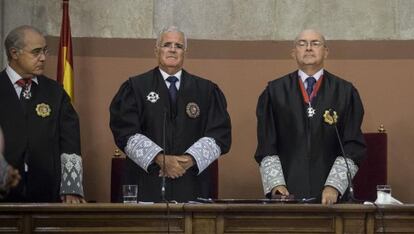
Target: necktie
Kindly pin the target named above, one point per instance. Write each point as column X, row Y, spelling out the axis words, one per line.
column 25, row 94
column 173, row 89
column 311, row 82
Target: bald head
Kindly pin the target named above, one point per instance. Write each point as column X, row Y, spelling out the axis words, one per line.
column 16, row 38
column 310, row 32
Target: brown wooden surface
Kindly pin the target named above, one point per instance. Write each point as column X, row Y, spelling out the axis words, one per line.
column 205, row 218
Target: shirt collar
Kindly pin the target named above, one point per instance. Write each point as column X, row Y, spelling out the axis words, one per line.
column 303, row 76
column 14, row 77
column 166, row 75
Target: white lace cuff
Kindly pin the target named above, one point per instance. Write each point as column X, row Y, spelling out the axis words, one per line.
column 272, row 173
column 204, row 151
column 72, row 174
column 142, row 150
column 337, row 177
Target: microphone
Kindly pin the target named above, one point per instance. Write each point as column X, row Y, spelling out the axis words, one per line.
column 163, row 182
column 332, row 118
column 163, row 156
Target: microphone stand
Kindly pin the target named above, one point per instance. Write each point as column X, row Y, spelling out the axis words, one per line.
column 163, row 182
column 163, row 158
column 348, row 170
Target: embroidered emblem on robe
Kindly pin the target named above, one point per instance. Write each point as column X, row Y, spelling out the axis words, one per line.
column 43, row 110
column 153, row 97
column 192, row 109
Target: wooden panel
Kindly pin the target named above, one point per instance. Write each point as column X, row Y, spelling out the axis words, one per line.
column 354, row 223
column 11, row 224
column 205, row 218
column 204, row 223
column 403, row 223
column 278, row 223
column 113, row 223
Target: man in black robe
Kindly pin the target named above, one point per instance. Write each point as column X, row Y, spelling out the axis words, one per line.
column 40, row 126
column 170, row 111
column 298, row 150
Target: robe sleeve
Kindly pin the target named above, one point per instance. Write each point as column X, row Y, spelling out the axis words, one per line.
column 217, row 137
column 126, row 128
column 70, row 156
column 266, row 153
column 352, row 137
column 266, row 130
column 337, row 177
column 271, row 173
column 354, row 144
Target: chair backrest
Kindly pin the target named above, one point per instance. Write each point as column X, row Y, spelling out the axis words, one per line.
column 373, row 170
column 118, row 167
column 117, row 170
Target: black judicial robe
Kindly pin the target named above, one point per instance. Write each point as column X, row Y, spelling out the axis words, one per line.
column 38, row 141
column 132, row 113
column 308, row 147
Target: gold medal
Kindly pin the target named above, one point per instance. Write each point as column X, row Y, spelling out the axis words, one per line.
column 192, row 109
column 43, row 110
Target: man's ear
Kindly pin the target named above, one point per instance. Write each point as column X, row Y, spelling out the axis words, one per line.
column 293, row 54
column 326, row 52
column 14, row 53
column 156, row 49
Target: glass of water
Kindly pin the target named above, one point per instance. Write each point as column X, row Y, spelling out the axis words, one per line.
column 384, row 193
column 130, row 193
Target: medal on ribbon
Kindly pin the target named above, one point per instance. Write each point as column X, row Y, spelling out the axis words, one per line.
column 310, row 111
column 26, row 94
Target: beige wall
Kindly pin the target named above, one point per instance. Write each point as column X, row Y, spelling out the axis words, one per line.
column 243, row 20
column 381, row 70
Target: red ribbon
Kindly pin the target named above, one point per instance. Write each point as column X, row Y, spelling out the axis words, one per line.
column 305, row 96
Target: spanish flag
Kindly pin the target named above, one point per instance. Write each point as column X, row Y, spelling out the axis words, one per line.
column 65, row 58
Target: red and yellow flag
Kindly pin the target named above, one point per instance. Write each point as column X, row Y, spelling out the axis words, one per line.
column 65, row 58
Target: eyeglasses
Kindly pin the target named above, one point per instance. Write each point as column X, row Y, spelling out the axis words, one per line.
column 305, row 44
column 38, row 51
column 171, row 45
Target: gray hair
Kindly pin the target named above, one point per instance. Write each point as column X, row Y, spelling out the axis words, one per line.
column 15, row 38
column 310, row 30
column 171, row 29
